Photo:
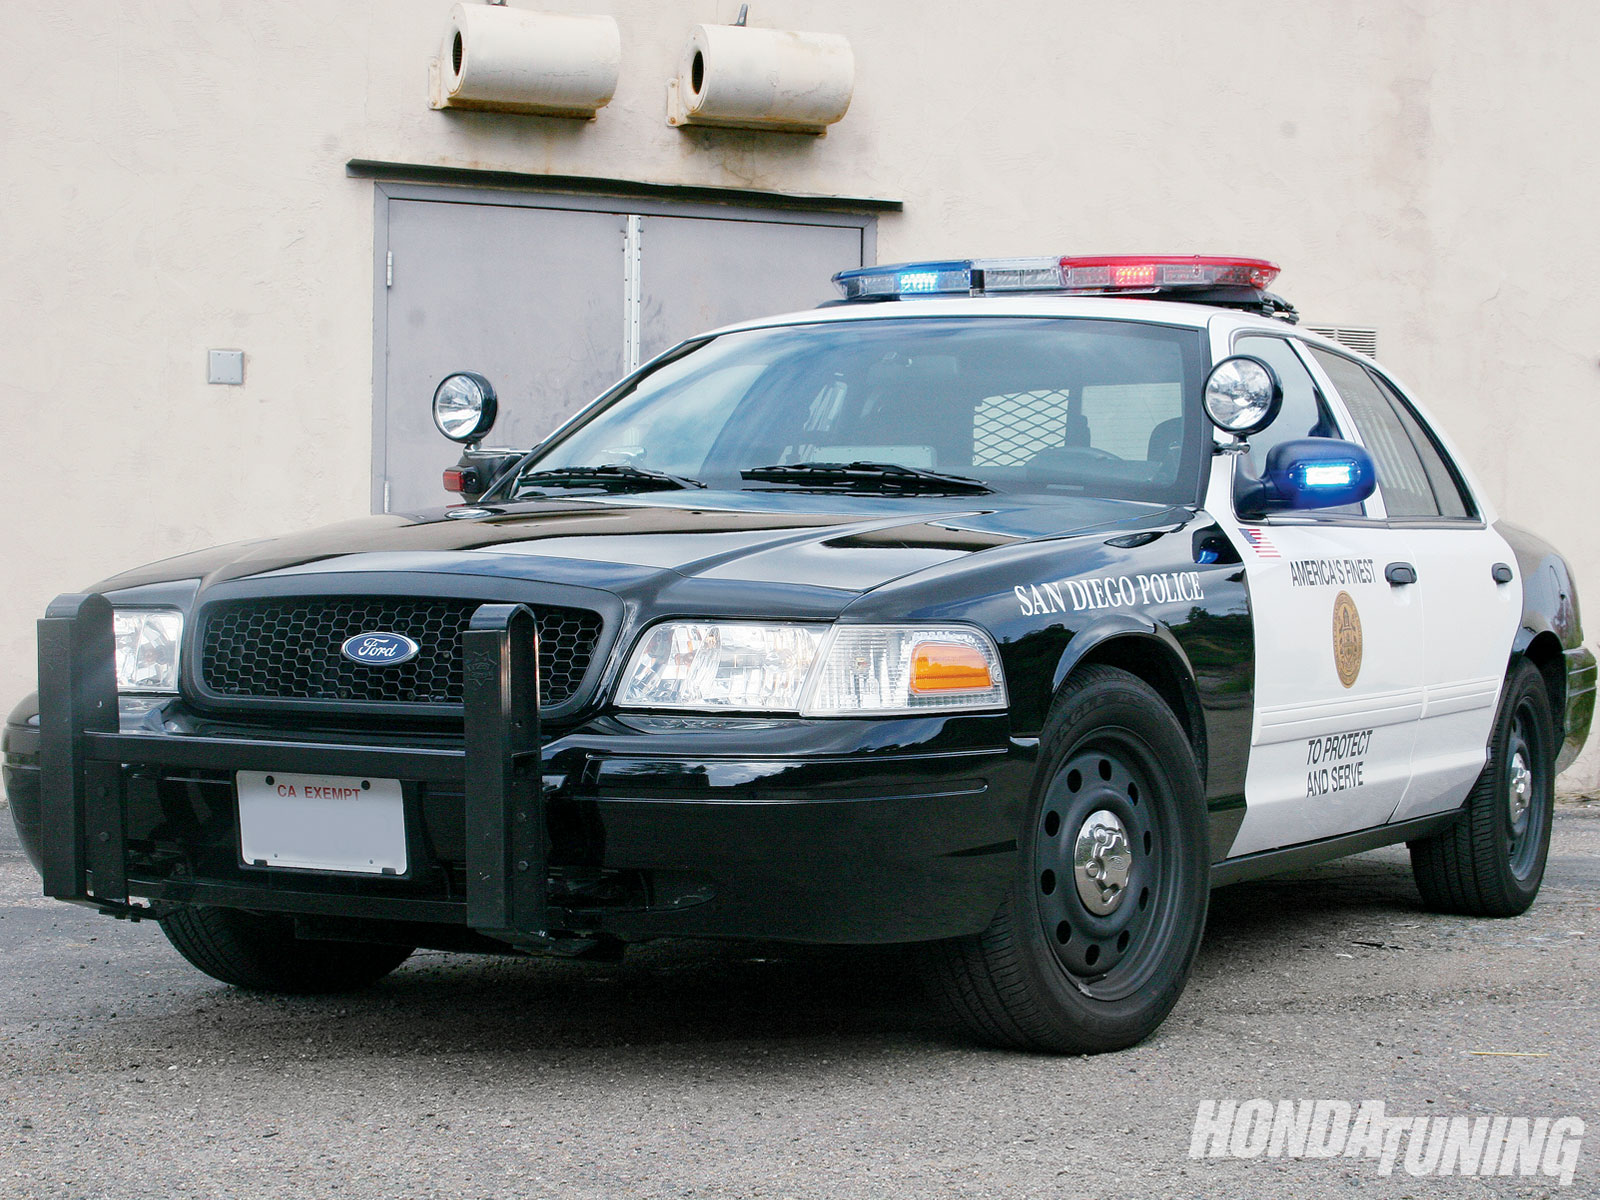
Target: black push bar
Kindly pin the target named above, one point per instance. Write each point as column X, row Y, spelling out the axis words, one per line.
column 86, row 762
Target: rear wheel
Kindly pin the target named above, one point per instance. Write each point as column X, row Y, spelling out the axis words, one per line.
column 1094, row 944
column 260, row 951
column 1490, row 863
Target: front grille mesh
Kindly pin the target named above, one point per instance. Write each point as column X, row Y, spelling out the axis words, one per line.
column 289, row 649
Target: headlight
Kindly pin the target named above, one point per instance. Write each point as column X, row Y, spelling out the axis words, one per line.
column 814, row 670
column 729, row 665
column 876, row 669
column 147, row 642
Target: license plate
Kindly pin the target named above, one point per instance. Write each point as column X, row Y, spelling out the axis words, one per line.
column 322, row 823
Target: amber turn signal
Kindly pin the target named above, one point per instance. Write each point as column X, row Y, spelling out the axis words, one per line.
column 948, row 667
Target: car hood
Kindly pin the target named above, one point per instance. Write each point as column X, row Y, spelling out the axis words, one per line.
column 846, row 544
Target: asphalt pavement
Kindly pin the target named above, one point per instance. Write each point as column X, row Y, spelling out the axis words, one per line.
column 706, row 1070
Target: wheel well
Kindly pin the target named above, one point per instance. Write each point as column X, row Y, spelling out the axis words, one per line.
column 1162, row 669
column 1544, row 652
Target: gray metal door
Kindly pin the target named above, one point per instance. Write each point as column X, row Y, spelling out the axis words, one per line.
column 529, row 297
column 555, row 298
column 699, row 273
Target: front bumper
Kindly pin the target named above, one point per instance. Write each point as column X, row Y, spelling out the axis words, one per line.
column 884, row 830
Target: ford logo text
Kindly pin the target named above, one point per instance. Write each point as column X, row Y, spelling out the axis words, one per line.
column 380, row 649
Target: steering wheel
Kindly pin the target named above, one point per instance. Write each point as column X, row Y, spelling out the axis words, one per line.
column 1094, row 452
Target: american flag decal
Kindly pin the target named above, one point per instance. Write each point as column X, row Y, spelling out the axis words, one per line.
column 1259, row 542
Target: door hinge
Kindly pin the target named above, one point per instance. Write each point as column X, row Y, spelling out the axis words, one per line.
column 632, row 291
column 388, row 268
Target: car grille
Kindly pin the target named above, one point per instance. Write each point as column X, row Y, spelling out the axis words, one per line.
column 289, row 649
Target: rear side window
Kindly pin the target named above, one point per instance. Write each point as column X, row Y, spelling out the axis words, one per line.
column 1412, row 473
column 1448, row 490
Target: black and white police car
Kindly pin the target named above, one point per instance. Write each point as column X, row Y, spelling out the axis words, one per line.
column 1005, row 607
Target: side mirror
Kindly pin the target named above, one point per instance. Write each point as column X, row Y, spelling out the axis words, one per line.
column 1307, row 473
column 1242, row 395
column 464, row 407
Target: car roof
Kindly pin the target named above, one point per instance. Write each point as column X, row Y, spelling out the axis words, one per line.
column 1151, row 312
column 1222, row 320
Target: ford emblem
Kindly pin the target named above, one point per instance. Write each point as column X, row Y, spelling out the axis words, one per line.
column 380, row 649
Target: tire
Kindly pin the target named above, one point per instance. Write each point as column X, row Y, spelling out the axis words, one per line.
column 259, row 951
column 1051, row 973
column 1490, row 863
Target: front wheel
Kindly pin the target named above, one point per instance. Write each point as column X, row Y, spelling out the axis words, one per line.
column 1094, row 944
column 259, row 951
column 1490, row 863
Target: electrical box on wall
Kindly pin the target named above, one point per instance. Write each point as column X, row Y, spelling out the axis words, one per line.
column 736, row 77
column 225, row 366
column 503, row 59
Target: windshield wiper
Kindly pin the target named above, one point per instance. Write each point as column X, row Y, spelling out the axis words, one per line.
column 867, row 476
column 613, row 477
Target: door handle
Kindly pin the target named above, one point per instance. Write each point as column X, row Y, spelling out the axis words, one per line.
column 1502, row 573
column 1399, row 574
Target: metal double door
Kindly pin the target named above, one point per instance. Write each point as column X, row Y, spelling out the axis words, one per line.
column 556, row 298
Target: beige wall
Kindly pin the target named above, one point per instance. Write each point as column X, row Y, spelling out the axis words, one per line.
column 172, row 178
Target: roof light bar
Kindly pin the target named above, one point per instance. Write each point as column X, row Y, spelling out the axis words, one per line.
column 1018, row 274
column 907, row 279
column 1125, row 274
column 1163, row 272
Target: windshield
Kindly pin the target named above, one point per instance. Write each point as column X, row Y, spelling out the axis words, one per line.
column 1014, row 404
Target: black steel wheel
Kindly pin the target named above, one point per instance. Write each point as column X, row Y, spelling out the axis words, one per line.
column 1490, row 863
column 259, row 951
column 1094, row 945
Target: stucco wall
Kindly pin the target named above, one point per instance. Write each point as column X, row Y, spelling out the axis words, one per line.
column 174, row 179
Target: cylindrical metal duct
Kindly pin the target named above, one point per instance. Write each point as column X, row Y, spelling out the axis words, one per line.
column 739, row 77
column 512, row 60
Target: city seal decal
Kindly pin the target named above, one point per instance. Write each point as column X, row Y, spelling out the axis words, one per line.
column 1346, row 639
column 380, row 649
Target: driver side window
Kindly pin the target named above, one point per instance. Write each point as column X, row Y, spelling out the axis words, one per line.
column 1303, row 413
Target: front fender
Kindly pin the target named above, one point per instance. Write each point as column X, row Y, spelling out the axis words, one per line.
column 19, row 772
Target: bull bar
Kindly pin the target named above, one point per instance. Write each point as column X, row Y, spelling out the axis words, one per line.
column 88, row 762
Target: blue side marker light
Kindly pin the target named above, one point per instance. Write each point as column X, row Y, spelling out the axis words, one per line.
column 1329, row 475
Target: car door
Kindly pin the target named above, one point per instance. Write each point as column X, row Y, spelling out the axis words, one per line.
column 1339, row 650
column 1470, row 616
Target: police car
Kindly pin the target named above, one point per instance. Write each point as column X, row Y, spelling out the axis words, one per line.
column 1004, row 607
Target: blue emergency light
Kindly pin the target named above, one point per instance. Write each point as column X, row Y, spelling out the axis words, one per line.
column 907, row 279
column 1328, row 475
